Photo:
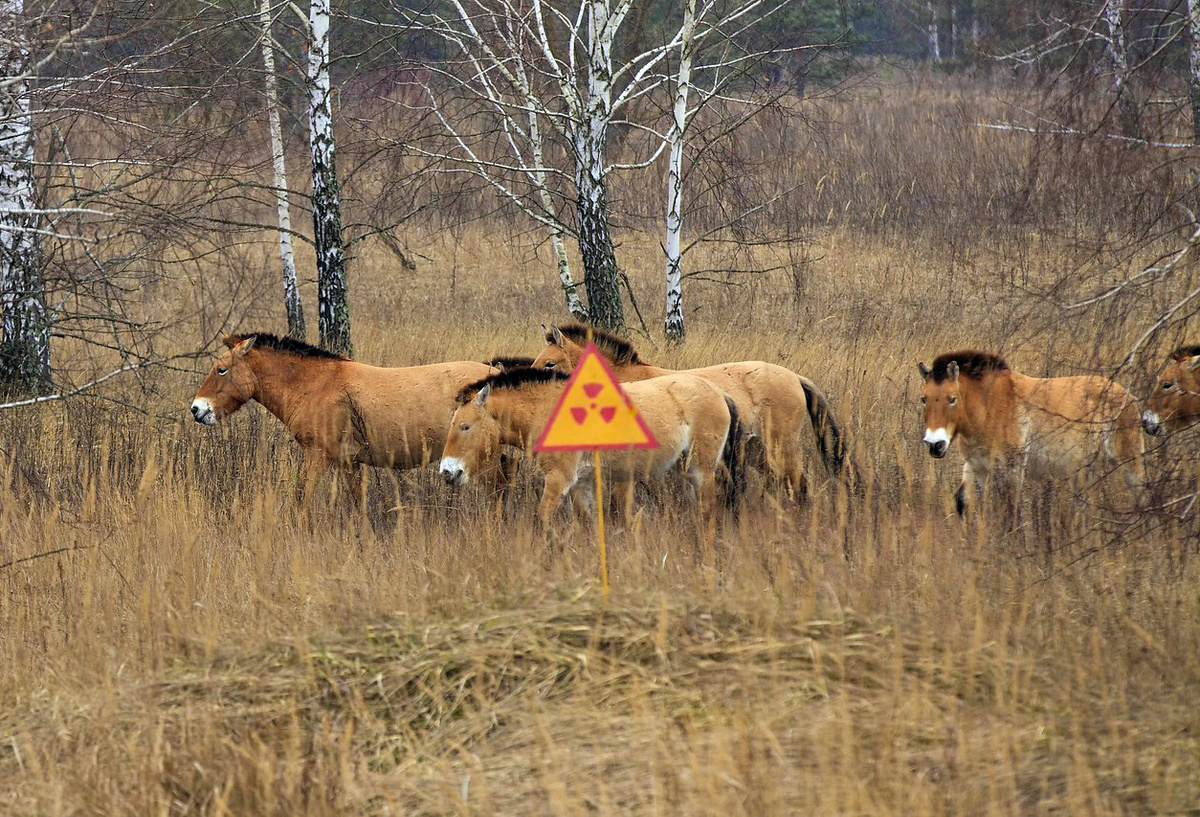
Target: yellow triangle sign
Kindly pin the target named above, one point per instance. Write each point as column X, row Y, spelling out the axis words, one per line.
column 594, row 412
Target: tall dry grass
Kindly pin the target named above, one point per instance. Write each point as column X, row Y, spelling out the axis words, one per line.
column 179, row 636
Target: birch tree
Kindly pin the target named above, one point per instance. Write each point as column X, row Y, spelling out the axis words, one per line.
column 536, row 74
column 673, row 323
column 333, row 309
column 1118, row 55
column 25, row 344
column 291, row 290
column 1193, row 48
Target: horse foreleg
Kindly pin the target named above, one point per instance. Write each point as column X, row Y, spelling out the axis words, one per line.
column 960, row 496
column 558, row 482
column 313, row 466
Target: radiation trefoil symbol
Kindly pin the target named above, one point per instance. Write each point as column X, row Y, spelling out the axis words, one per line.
column 594, row 412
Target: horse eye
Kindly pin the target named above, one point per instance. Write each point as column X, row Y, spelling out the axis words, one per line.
column 465, row 427
column 549, row 364
column 923, row 400
column 1167, row 385
column 222, row 371
column 951, row 401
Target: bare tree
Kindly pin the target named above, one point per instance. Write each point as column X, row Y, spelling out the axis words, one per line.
column 25, row 345
column 673, row 323
column 291, row 290
column 333, row 308
column 1116, row 46
column 536, row 81
column 1193, row 47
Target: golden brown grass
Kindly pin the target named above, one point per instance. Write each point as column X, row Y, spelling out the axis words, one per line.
column 201, row 645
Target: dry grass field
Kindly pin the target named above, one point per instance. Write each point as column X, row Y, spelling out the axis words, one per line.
column 177, row 637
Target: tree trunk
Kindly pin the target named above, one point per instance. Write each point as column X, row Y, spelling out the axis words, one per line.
column 1127, row 110
column 291, row 291
column 1193, row 31
column 952, row 29
column 595, row 242
column 935, row 50
column 25, row 342
column 563, row 263
column 673, row 325
column 333, row 309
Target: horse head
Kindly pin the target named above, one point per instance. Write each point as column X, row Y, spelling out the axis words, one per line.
column 229, row 385
column 473, row 444
column 1175, row 401
column 940, row 397
column 561, row 353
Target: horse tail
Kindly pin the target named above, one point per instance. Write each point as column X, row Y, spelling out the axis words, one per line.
column 830, row 440
column 735, row 445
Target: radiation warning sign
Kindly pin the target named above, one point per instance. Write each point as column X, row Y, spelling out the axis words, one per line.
column 594, row 412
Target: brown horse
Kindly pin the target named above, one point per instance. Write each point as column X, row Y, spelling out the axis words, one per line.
column 1011, row 424
column 772, row 402
column 695, row 426
column 1175, row 402
column 339, row 411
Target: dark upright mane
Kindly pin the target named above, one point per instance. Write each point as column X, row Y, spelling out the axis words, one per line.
column 291, row 346
column 1184, row 352
column 510, row 379
column 507, row 362
column 616, row 349
column 971, row 364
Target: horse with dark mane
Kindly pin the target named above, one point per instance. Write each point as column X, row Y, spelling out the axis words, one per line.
column 1011, row 425
column 695, row 425
column 773, row 403
column 341, row 412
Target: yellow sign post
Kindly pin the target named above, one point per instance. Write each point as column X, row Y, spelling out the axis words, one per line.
column 594, row 414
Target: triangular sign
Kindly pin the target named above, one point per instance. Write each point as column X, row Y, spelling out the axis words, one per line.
column 594, row 412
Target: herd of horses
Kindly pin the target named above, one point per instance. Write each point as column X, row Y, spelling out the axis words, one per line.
column 479, row 420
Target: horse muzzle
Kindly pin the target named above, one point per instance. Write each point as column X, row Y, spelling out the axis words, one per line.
column 938, row 442
column 453, row 472
column 1151, row 424
column 202, row 412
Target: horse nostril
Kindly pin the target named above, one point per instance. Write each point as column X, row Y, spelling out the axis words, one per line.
column 937, row 449
column 195, row 411
column 453, row 477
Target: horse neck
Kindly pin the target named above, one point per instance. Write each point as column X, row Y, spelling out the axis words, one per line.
column 283, row 381
column 987, row 401
column 523, row 412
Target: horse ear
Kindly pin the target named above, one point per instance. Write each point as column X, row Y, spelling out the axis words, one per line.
column 1193, row 364
column 245, row 346
column 557, row 336
column 952, row 370
column 483, row 395
column 924, row 370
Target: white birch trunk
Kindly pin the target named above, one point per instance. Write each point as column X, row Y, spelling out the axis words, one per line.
column 952, row 29
column 25, row 342
column 291, row 290
column 673, row 324
column 935, row 50
column 333, row 311
column 595, row 241
column 1118, row 54
column 561, row 260
column 1193, row 32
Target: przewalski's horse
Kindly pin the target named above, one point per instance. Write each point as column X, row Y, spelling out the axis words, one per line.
column 1175, row 401
column 774, row 403
column 1010, row 424
column 695, row 425
column 340, row 412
